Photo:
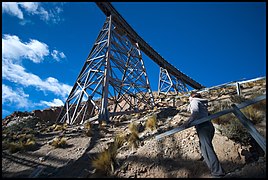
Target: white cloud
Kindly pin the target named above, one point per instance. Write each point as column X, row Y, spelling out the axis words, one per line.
column 17, row 97
column 57, row 55
column 31, row 8
column 13, row 48
column 12, row 52
column 17, row 74
column 55, row 102
column 12, row 8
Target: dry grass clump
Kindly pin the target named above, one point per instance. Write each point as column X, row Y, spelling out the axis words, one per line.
column 57, row 127
column 105, row 161
column 225, row 119
column 237, row 99
column 102, row 124
column 133, row 127
column 151, row 122
column 133, row 139
column 14, row 147
column 253, row 114
column 59, row 142
column 87, row 126
column 20, row 145
column 220, row 107
column 234, row 130
column 261, row 105
column 119, row 140
column 60, row 127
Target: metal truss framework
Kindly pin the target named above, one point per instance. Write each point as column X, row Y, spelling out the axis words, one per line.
column 168, row 83
column 113, row 80
column 108, row 9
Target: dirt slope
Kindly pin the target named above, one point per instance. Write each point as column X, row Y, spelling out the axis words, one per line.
column 173, row 156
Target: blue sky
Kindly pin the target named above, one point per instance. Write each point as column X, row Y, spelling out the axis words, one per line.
column 44, row 45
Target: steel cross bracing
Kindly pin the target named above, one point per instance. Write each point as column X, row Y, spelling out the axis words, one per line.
column 113, row 80
column 108, row 9
column 168, row 83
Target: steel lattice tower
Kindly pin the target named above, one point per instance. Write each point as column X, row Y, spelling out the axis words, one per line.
column 168, row 83
column 113, row 80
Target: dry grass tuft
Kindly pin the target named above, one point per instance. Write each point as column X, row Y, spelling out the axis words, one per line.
column 151, row 122
column 103, row 163
column 133, row 139
column 133, row 127
column 21, row 145
column 59, row 142
column 88, row 130
column 119, row 140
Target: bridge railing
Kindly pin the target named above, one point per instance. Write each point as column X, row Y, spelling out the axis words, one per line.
column 235, row 110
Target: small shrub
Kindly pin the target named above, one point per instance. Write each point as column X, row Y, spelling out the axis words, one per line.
column 59, row 142
column 87, row 127
column 119, row 140
column 237, row 99
column 253, row 114
column 14, row 147
column 133, row 127
column 220, row 107
column 225, row 119
column 30, row 144
column 261, row 105
column 104, row 162
column 102, row 124
column 151, row 123
column 234, row 130
column 59, row 127
column 133, row 139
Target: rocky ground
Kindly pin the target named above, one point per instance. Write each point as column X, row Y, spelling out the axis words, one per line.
column 176, row 155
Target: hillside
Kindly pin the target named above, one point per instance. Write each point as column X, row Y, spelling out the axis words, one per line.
column 28, row 151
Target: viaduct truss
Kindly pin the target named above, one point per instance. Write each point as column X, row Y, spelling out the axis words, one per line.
column 113, row 80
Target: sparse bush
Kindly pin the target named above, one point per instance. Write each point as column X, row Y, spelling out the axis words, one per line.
column 253, row 114
column 59, row 142
column 119, row 140
column 87, row 126
column 234, row 130
column 261, row 105
column 60, row 127
column 14, row 147
column 133, row 127
column 103, row 163
column 151, row 122
column 225, row 119
column 102, row 124
column 237, row 99
column 30, row 144
column 133, row 139
column 220, row 107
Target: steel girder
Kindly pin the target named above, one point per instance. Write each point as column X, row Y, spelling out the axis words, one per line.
column 113, row 80
column 108, row 9
column 168, row 83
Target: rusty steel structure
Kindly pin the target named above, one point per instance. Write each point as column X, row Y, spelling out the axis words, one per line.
column 113, row 80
